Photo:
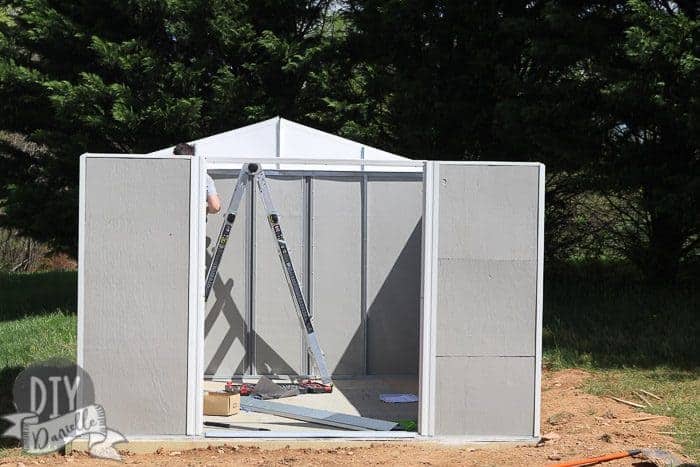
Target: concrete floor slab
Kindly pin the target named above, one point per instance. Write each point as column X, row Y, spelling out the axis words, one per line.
column 353, row 396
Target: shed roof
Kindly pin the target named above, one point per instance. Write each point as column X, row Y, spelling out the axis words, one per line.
column 278, row 137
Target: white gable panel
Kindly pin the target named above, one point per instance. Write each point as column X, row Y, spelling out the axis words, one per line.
column 256, row 140
column 282, row 138
column 299, row 141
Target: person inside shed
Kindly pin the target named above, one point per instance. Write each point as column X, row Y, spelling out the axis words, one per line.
column 213, row 201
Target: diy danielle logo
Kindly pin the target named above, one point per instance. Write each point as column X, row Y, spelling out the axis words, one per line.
column 55, row 401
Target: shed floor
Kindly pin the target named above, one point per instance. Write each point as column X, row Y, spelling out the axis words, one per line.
column 352, row 396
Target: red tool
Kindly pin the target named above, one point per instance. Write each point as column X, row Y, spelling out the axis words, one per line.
column 654, row 456
column 599, row 459
column 246, row 389
column 308, row 386
column 243, row 389
column 305, row 386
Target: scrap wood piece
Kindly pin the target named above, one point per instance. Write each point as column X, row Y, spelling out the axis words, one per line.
column 641, row 419
column 633, row 404
column 641, row 396
column 321, row 417
column 650, row 394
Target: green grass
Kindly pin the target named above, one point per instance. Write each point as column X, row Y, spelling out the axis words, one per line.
column 37, row 322
column 36, row 338
column 37, row 317
column 600, row 317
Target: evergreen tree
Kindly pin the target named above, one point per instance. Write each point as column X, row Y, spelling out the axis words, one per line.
column 651, row 106
column 604, row 92
column 114, row 76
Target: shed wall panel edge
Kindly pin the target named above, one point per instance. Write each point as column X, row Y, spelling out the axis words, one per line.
column 136, row 291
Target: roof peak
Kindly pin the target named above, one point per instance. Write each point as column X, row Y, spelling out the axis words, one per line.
column 281, row 137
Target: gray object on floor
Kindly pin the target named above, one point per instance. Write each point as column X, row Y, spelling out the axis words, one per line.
column 398, row 398
column 321, row 417
column 268, row 389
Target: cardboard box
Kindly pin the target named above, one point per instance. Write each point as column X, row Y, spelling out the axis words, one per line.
column 221, row 403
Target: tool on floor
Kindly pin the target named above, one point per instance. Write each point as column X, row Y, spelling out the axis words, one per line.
column 266, row 389
column 597, row 459
column 233, row 388
column 255, row 171
column 244, row 389
column 304, row 386
column 236, row 427
column 656, row 456
column 308, row 386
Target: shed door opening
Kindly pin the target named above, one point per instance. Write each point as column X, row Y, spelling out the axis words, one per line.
column 355, row 240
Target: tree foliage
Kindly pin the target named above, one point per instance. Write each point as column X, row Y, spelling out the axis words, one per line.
column 114, row 76
column 604, row 92
column 651, row 103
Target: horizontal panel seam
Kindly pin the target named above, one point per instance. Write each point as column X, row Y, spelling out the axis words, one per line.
column 490, row 260
column 484, row 356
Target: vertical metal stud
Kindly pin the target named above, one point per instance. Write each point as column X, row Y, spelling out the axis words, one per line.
column 364, row 318
column 278, row 142
column 250, row 274
column 307, row 249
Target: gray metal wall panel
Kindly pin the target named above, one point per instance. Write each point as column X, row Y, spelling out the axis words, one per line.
column 136, row 261
column 487, row 260
column 278, row 333
column 497, row 204
column 225, row 322
column 486, row 307
column 394, row 210
column 393, row 279
column 486, row 303
column 485, row 396
column 337, row 273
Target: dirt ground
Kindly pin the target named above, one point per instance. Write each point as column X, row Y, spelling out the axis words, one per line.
column 577, row 424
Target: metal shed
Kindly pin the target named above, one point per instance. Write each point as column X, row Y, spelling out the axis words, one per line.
column 425, row 270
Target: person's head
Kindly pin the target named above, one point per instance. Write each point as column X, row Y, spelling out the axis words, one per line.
column 183, row 149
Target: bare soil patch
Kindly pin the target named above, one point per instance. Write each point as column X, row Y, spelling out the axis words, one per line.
column 576, row 424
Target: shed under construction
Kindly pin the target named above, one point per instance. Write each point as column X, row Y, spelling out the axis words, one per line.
column 421, row 277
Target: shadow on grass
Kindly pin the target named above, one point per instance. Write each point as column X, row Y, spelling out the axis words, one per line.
column 7, row 380
column 37, row 293
column 600, row 315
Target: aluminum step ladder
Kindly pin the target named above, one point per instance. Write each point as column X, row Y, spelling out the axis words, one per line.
column 255, row 171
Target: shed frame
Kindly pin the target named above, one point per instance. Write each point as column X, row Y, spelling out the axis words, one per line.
column 428, row 296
